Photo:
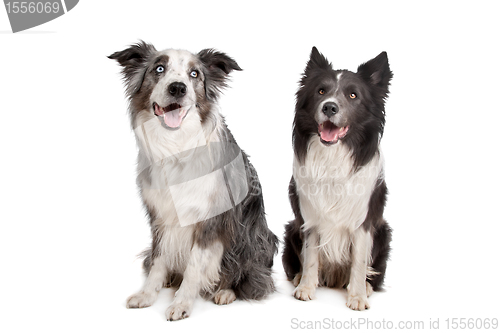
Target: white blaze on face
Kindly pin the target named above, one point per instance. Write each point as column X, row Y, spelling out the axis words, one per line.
column 173, row 110
column 332, row 129
column 339, row 75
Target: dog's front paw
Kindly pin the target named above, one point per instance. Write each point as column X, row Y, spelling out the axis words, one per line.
column 224, row 296
column 178, row 310
column 141, row 300
column 304, row 293
column 357, row 302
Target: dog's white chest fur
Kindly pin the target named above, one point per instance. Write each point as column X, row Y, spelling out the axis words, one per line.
column 164, row 162
column 334, row 199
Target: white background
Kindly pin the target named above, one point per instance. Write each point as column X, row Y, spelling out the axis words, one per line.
column 71, row 219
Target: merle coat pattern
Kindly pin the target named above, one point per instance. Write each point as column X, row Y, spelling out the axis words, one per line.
column 173, row 110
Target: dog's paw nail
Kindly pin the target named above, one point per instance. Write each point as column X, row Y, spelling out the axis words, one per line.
column 358, row 303
column 225, row 296
column 177, row 312
column 304, row 293
column 140, row 300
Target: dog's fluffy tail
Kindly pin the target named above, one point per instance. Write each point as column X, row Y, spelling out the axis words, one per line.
column 255, row 285
column 253, row 279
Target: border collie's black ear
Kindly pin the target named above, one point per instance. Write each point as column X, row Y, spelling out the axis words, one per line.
column 215, row 60
column 218, row 66
column 317, row 60
column 377, row 71
column 134, row 62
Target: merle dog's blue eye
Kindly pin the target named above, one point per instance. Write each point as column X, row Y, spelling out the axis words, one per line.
column 194, row 73
column 160, row 69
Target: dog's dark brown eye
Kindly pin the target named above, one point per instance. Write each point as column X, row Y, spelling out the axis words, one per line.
column 194, row 74
column 353, row 95
column 321, row 92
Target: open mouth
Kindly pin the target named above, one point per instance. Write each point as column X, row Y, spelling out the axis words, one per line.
column 330, row 133
column 170, row 115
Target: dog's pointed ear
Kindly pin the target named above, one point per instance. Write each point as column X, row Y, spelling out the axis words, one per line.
column 317, row 61
column 215, row 61
column 377, row 71
column 134, row 62
column 218, row 66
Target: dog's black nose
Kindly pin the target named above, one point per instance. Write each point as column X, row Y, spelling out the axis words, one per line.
column 330, row 108
column 177, row 89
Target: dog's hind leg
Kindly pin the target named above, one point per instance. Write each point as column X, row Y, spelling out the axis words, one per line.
column 291, row 252
column 202, row 273
column 369, row 289
column 224, row 296
column 154, row 282
column 380, row 254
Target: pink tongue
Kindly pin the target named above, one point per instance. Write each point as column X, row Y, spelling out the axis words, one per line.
column 330, row 134
column 173, row 118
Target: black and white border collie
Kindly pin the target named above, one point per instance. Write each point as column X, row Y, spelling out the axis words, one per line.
column 202, row 195
column 339, row 237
